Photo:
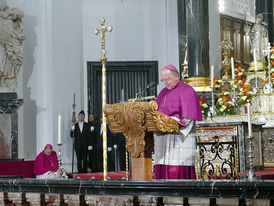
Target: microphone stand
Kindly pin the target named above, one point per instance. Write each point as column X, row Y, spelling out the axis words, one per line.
column 139, row 95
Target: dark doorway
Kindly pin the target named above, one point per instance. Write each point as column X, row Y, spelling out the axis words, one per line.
column 129, row 77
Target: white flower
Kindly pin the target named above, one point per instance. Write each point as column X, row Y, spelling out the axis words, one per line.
column 241, row 89
column 220, row 99
column 226, row 93
column 224, row 107
column 230, row 102
column 243, row 97
column 220, row 80
column 204, row 105
column 240, row 74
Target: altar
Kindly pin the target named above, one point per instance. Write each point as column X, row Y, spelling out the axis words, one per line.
column 262, row 114
column 223, row 148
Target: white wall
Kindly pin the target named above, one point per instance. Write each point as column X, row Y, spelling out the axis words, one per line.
column 143, row 30
column 51, row 73
column 60, row 41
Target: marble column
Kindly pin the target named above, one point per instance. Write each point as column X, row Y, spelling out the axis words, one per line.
column 198, row 44
column 265, row 7
column 9, row 103
column 182, row 40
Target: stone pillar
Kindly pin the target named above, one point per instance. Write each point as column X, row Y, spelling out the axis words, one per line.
column 265, row 7
column 182, row 38
column 198, row 44
column 9, row 125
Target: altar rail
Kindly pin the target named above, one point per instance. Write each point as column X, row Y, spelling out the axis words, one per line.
column 90, row 192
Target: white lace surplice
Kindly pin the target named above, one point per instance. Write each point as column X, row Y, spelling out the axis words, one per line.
column 176, row 148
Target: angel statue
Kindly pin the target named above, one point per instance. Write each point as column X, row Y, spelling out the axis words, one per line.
column 259, row 38
column 11, row 43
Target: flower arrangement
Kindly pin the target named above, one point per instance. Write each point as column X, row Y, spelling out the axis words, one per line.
column 245, row 94
column 243, row 90
column 204, row 106
column 266, row 80
column 224, row 104
column 217, row 83
column 240, row 77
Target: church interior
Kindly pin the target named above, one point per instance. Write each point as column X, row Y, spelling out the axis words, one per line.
column 100, row 64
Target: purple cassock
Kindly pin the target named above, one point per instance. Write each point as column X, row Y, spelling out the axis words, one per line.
column 170, row 149
column 44, row 163
column 181, row 102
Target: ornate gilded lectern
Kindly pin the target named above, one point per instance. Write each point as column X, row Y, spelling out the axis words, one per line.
column 137, row 121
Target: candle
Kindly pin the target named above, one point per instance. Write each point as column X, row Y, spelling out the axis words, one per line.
column 59, row 141
column 232, row 69
column 249, row 120
column 212, row 76
column 255, row 59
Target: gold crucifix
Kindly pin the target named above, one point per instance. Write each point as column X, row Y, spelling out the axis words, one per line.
column 103, row 30
column 103, row 59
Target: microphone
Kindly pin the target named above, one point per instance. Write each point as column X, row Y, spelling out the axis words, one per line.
column 149, row 86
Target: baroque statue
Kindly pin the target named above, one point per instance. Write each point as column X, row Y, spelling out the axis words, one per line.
column 259, row 38
column 11, row 44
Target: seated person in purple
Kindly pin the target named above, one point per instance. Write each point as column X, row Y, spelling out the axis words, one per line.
column 46, row 164
column 174, row 155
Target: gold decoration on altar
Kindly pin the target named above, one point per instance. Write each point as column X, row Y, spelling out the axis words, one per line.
column 199, row 84
column 226, row 45
column 261, row 66
column 137, row 121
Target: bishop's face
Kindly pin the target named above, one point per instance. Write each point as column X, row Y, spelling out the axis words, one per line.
column 48, row 151
column 170, row 80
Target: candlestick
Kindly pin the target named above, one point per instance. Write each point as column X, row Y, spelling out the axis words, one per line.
column 251, row 172
column 249, row 120
column 61, row 173
column 232, row 68
column 212, row 76
column 59, row 141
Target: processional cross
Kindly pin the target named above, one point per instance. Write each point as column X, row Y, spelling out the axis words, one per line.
column 103, row 59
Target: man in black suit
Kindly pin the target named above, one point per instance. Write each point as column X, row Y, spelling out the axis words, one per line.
column 82, row 132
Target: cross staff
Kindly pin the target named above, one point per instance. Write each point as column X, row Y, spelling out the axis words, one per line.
column 103, row 59
column 268, row 51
